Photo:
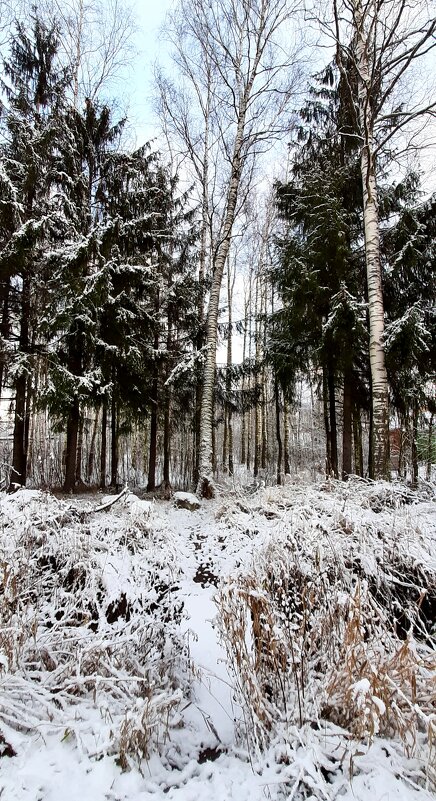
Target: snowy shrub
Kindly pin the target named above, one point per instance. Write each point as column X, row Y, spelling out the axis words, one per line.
column 334, row 618
column 88, row 610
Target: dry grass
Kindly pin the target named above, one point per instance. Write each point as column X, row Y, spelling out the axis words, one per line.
column 312, row 634
column 88, row 613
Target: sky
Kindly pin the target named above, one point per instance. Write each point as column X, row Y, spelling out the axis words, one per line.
column 150, row 48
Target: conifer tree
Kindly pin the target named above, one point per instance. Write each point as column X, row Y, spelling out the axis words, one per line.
column 33, row 86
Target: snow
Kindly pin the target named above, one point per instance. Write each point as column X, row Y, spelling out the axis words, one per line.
column 201, row 745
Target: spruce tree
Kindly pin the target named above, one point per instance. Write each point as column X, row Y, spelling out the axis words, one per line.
column 33, row 87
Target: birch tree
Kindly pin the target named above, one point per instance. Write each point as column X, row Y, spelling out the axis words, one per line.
column 96, row 41
column 378, row 45
column 253, row 79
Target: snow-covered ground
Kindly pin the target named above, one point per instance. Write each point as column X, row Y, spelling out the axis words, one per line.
column 117, row 675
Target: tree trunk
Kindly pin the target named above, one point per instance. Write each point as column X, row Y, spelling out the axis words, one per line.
column 415, row 420
column 243, row 385
column 286, row 438
column 228, row 438
column 152, row 454
column 264, row 451
column 114, row 438
column 103, row 451
column 347, row 428
column 5, row 288
column 19, row 453
column 333, row 427
column 278, row 431
column 167, row 444
column 80, row 450
column 71, row 455
column 205, row 486
column 357, row 440
column 328, row 435
column 379, row 382
column 429, row 448
column 91, row 455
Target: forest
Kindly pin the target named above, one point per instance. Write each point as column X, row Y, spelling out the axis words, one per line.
column 217, row 402
column 123, row 268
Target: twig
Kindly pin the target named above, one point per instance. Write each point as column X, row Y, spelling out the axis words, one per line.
column 110, row 503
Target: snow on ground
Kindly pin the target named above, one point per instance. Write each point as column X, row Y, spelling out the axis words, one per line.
column 61, row 735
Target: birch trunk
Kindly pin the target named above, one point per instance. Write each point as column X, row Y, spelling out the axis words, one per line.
column 205, row 486
column 379, row 379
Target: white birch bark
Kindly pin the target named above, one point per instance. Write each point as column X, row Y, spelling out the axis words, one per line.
column 379, row 377
column 205, row 482
column 244, row 64
column 376, row 45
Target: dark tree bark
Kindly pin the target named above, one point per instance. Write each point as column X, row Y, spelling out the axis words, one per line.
column 357, row 440
column 71, row 451
column 415, row 419
column 347, row 427
column 167, row 444
column 91, row 454
column 5, row 289
column 328, row 434
column 152, row 454
column 114, row 439
column 103, row 451
column 278, row 432
column 430, row 448
column 286, row 444
column 333, row 426
column 19, row 453
column 79, row 451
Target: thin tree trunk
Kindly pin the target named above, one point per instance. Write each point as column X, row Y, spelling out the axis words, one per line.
column 228, row 450
column 347, row 428
column 114, row 438
column 379, row 383
column 19, row 454
column 328, row 435
column 278, row 431
column 206, row 485
column 80, row 450
column 357, row 440
column 264, row 450
column 429, row 447
column 91, row 455
column 243, row 384
column 258, row 387
column 286, row 438
column 71, row 455
column 415, row 420
column 333, row 427
column 167, row 427
column 167, row 445
column 103, row 451
column 4, row 328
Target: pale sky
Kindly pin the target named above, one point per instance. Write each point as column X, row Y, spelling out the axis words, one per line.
column 150, row 17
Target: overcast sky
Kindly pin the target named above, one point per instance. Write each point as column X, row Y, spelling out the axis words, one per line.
column 150, row 47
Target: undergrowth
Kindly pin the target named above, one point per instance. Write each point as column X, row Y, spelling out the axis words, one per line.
column 88, row 612
column 334, row 619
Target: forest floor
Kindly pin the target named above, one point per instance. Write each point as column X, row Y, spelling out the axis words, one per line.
column 145, row 647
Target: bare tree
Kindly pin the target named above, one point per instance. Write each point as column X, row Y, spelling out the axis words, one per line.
column 378, row 46
column 96, row 37
column 248, row 75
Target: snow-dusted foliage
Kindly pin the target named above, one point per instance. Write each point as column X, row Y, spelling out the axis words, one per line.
column 334, row 618
column 89, row 619
column 113, row 668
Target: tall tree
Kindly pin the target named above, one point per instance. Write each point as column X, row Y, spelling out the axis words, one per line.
column 377, row 45
column 251, row 89
column 34, row 86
